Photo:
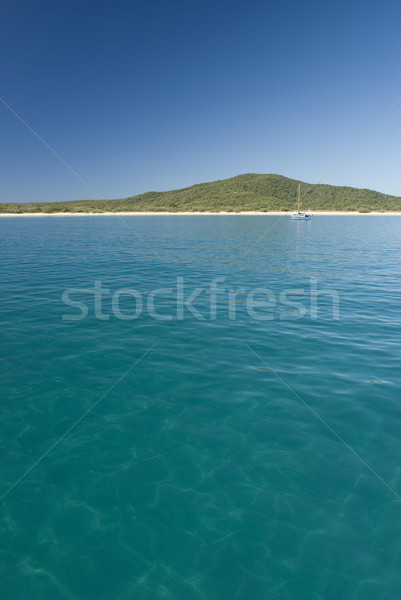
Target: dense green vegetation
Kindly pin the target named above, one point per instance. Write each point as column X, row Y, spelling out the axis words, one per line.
column 241, row 193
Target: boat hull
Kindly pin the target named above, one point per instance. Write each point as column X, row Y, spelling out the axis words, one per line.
column 301, row 217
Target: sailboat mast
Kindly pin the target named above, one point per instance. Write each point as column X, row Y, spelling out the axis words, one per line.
column 299, row 197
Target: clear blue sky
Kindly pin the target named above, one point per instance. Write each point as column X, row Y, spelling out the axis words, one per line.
column 159, row 95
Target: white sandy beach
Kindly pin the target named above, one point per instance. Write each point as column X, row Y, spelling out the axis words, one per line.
column 221, row 213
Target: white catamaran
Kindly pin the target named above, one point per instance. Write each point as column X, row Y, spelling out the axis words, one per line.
column 301, row 216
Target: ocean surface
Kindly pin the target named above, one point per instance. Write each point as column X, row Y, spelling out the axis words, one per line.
column 200, row 408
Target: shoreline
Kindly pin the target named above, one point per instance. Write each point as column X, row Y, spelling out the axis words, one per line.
column 203, row 213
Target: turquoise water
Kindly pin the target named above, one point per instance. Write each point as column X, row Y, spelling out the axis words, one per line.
column 240, row 458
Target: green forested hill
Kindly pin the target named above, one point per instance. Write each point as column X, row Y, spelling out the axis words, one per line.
column 241, row 193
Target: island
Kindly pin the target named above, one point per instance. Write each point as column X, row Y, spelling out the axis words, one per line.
column 248, row 193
